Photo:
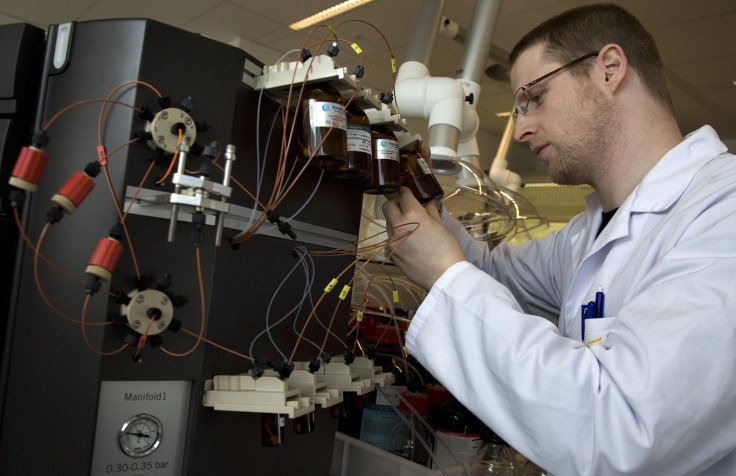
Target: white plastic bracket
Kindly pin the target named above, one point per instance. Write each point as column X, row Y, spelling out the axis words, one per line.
column 243, row 393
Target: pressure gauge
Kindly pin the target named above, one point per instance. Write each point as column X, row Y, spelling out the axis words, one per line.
column 140, row 435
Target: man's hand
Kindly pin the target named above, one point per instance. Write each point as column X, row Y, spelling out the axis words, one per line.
column 430, row 250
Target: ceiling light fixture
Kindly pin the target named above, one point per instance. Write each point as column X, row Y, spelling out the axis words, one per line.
column 327, row 13
column 502, row 114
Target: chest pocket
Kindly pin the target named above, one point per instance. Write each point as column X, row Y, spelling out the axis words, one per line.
column 596, row 330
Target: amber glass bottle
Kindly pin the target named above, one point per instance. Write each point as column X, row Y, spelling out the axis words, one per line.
column 419, row 178
column 358, row 165
column 322, row 108
column 303, row 424
column 272, row 429
column 385, row 162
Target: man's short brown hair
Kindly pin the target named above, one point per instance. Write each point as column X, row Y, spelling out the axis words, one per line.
column 588, row 28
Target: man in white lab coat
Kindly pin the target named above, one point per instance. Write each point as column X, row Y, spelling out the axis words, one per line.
column 646, row 383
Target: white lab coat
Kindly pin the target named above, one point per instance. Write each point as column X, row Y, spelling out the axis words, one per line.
column 655, row 396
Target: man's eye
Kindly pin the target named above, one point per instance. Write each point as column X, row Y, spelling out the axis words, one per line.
column 536, row 97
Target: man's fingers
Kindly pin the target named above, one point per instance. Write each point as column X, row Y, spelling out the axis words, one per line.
column 433, row 209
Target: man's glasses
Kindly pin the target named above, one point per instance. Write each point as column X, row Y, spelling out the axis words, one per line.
column 522, row 99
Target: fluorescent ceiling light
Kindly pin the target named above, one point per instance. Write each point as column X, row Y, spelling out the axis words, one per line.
column 327, row 13
column 502, row 114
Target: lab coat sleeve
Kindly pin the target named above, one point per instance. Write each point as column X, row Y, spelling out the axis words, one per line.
column 527, row 270
column 477, row 252
column 657, row 398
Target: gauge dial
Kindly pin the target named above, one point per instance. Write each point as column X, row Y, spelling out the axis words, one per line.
column 140, row 435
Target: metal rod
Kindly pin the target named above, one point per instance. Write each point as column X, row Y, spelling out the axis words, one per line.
column 229, row 159
column 180, row 169
column 478, row 40
column 424, row 33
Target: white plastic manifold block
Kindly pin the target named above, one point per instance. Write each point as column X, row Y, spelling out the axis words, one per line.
column 277, row 78
column 341, row 376
column 387, row 117
column 310, row 386
column 243, row 393
column 365, row 99
column 364, row 367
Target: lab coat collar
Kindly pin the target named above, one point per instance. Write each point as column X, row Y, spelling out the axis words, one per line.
column 670, row 176
column 661, row 187
column 667, row 180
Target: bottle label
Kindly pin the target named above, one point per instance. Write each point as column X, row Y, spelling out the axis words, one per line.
column 324, row 114
column 359, row 139
column 387, row 149
column 423, row 166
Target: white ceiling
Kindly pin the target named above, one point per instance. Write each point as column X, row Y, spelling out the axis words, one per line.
column 697, row 40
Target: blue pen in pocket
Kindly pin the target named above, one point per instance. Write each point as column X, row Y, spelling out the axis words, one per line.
column 592, row 310
column 588, row 312
column 599, row 302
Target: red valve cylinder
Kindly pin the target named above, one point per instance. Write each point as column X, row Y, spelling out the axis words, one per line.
column 73, row 192
column 28, row 167
column 105, row 258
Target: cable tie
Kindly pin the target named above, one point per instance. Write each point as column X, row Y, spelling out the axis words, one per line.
column 141, row 342
column 331, row 285
column 102, row 154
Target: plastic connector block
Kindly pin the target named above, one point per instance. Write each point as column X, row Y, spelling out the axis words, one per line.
column 386, row 116
column 277, row 78
column 302, row 379
column 409, row 141
column 310, row 386
column 364, row 367
column 366, row 99
column 267, row 394
column 338, row 375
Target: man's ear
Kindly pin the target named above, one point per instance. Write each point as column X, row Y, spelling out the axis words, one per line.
column 612, row 66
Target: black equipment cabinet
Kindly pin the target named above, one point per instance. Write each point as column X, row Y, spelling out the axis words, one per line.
column 56, row 389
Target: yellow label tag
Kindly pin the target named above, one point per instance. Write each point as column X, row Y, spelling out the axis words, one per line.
column 330, row 29
column 359, row 316
column 356, row 48
column 393, row 64
column 396, row 295
column 331, row 285
column 344, row 292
